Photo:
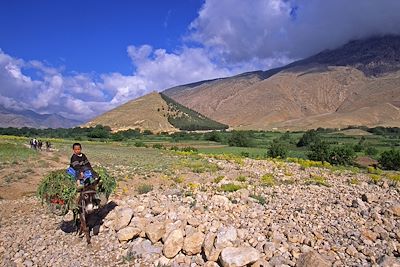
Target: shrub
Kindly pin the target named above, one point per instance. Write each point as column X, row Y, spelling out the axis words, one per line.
column 144, row 188
column 218, row 179
column 140, row 144
column 319, row 151
column 277, row 150
column 189, row 149
column 308, row 138
column 371, row 151
column 245, row 154
column 354, row 181
column 259, row 198
column 239, row 139
column 390, row 160
column 375, row 178
column 341, row 155
column 317, row 180
column 268, row 179
column 174, row 148
column 241, row 178
column 230, row 187
column 214, row 136
column 158, row 146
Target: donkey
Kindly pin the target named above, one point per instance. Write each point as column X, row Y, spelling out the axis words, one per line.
column 87, row 204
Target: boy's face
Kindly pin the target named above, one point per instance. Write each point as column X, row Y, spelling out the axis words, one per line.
column 77, row 150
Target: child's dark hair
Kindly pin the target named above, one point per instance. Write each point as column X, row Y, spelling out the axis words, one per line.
column 76, row 144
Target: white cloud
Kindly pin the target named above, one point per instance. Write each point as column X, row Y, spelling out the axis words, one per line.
column 230, row 37
column 239, row 31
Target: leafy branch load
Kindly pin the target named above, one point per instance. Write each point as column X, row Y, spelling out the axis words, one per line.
column 58, row 189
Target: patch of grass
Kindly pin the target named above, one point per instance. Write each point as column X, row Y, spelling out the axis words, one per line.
column 178, row 179
column 375, row 178
column 230, row 187
column 218, row 179
column 15, row 152
column 140, row 144
column 200, row 165
column 354, row 181
column 373, row 170
column 158, row 146
column 305, row 163
column 193, row 186
column 394, row 177
column 144, row 188
column 241, row 178
column 317, row 180
column 55, row 158
column 259, row 198
column 268, row 179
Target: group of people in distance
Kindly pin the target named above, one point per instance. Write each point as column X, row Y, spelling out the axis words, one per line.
column 38, row 144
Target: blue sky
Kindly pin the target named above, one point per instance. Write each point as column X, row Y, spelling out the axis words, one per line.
column 81, row 58
column 88, row 36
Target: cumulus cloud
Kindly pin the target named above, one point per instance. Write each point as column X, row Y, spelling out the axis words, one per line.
column 227, row 37
column 243, row 30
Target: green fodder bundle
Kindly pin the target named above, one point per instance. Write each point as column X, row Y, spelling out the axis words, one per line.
column 60, row 188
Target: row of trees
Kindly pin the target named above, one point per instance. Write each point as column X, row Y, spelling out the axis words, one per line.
column 320, row 150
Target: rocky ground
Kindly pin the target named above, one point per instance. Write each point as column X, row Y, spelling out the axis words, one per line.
column 302, row 217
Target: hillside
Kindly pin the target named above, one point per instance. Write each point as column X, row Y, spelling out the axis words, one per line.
column 29, row 118
column 356, row 84
column 154, row 112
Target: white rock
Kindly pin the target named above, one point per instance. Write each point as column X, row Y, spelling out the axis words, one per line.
column 241, row 256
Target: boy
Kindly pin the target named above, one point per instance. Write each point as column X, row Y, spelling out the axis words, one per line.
column 81, row 165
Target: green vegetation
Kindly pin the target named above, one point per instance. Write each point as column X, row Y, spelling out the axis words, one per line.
column 316, row 180
column 230, row 187
column 241, row 178
column 277, row 149
column 15, row 152
column 259, row 198
column 218, row 179
column 184, row 118
column 144, row 188
column 58, row 187
column 308, row 138
column 239, row 139
column 390, row 160
column 268, row 179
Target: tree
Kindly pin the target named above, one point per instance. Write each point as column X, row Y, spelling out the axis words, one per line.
column 277, row 149
column 341, row 155
column 319, row 151
column 308, row 138
column 214, row 136
column 240, row 139
column 390, row 160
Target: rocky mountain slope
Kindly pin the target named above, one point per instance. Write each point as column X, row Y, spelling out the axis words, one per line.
column 357, row 84
column 156, row 113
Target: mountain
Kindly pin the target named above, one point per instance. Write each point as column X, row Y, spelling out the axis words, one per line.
column 31, row 119
column 154, row 112
column 356, row 84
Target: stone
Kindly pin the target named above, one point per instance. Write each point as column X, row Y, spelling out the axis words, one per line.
column 312, row 259
column 193, row 243
column 351, row 250
column 123, row 218
column 220, row 201
column 211, row 264
column 155, row 231
column 395, row 209
column 210, row 251
column 128, row 233
column 173, row 244
column 226, row 237
column 387, row 261
column 240, row 256
column 369, row 198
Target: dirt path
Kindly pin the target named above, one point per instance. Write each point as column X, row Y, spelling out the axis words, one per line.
column 19, row 179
